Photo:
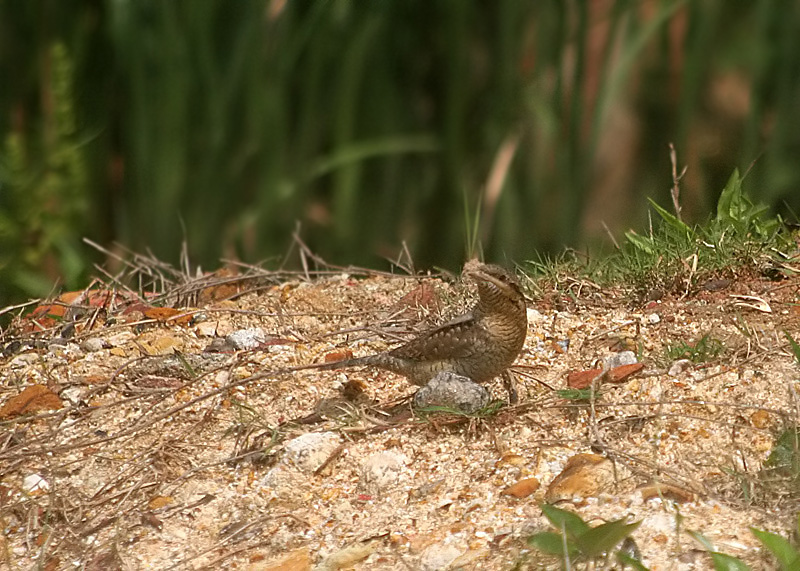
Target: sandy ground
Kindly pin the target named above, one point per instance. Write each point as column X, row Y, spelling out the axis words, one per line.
column 150, row 442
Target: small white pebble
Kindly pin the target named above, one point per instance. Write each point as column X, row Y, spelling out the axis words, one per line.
column 34, row 483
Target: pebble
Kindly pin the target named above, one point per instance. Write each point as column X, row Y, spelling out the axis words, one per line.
column 309, row 451
column 679, row 367
column 247, row 339
column 94, row 344
column 381, row 471
column 439, row 556
column 454, row 391
column 34, row 483
column 620, row 359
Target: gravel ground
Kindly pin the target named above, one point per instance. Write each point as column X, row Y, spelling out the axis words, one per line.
column 178, row 440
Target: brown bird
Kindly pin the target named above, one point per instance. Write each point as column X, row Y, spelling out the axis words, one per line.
column 480, row 344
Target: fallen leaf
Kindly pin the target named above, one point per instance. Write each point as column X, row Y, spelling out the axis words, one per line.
column 623, row 372
column 583, row 379
column 160, row 502
column 32, row 399
column 164, row 314
column 658, row 490
column 523, row 488
column 760, row 419
column 297, row 560
column 753, row 302
column 338, row 356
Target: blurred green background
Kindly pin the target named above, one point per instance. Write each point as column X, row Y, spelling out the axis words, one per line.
column 368, row 124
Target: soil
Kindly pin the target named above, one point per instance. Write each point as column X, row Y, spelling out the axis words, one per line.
column 136, row 437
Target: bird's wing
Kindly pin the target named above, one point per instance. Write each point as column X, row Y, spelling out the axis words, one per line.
column 455, row 339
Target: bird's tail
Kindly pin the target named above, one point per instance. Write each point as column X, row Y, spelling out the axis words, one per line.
column 342, row 364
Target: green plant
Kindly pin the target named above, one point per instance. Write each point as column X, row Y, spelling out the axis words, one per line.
column 674, row 257
column 794, row 346
column 703, row 350
column 786, row 554
column 721, row 561
column 574, row 394
column 784, row 551
column 784, row 458
column 44, row 203
column 576, row 540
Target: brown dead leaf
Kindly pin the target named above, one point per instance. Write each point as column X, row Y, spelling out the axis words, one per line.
column 623, row 372
column 583, row 379
column 164, row 314
column 338, row 356
column 510, row 459
column 159, row 502
column 658, row 490
column 32, row 399
column 421, row 298
column 760, row 419
column 523, row 488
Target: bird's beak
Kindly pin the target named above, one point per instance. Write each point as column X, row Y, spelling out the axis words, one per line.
column 484, row 277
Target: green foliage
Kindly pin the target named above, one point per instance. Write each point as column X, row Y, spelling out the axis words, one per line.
column 738, row 234
column 705, row 349
column 784, row 458
column 785, row 552
column 227, row 124
column 44, row 204
column 794, row 346
column 675, row 257
column 574, row 394
column 721, row 561
column 576, row 540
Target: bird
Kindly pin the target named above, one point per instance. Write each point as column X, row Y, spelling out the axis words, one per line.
column 480, row 345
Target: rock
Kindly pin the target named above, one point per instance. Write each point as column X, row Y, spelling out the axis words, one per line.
column 653, row 318
column 439, row 556
column 34, row 484
column 381, row 471
column 94, row 344
column 309, row 451
column 583, row 476
column 679, row 367
column 347, row 557
column 453, row 391
column 24, row 360
column 247, row 339
column 620, row 359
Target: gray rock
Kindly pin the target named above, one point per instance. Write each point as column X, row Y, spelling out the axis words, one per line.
column 309, row 451
column 453, row 391
column 93, row 344
column 246, row 339
column 439, row 556
column 620, row 359
column 381, row 471
column 679, row 367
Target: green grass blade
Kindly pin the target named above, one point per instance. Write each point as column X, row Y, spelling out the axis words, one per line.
column 784, row 552
column 603, row 538
column 562, row 519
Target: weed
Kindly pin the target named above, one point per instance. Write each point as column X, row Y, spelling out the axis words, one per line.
column 703, row 350
column 576, row 540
